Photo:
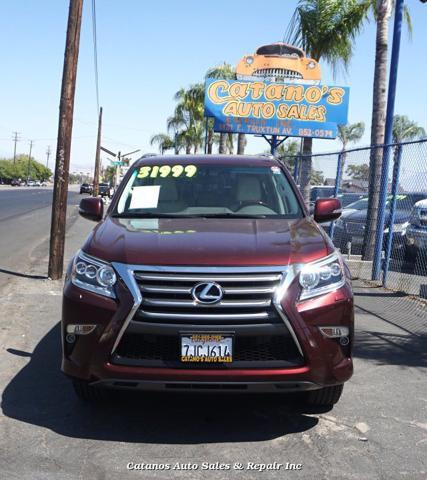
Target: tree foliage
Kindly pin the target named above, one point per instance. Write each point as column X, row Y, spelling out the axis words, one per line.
column 358, row 172
column 406, row 129
column 327, row 29
column 22, row 169
column 350, row 133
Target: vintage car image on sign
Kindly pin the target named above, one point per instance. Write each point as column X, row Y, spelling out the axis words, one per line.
column 279, row 62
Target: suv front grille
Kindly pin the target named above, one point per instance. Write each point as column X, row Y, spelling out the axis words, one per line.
column 164, row 350
column 167, row 298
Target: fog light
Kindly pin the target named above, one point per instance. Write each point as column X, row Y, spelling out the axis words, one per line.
column 335, row 332
column 344, row 341
column 80, row 329
column 70, row 338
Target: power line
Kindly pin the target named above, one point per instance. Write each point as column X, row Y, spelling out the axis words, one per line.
column 95, row 52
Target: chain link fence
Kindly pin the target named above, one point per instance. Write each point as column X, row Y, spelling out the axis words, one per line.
column 395, row 255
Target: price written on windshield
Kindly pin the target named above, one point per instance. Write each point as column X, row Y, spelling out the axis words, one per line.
column 154, row 171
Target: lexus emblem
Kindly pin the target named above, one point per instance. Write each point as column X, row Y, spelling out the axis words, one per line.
column 207, row 293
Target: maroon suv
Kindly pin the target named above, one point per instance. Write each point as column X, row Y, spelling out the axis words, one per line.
column 208, row 273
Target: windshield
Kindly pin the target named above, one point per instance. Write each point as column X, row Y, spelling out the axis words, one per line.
column 208, row 191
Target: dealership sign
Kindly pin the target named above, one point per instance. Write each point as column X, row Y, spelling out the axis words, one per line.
column 267, row 108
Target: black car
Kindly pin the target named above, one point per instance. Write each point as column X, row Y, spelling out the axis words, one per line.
column 351, row 227
column 86, row 188
column 105, row 190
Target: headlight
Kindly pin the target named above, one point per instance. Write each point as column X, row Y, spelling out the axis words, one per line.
column 321, row 277
column 91, row 274
column 311, row 65
column 249, row 60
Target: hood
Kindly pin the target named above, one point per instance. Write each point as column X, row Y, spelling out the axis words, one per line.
column 421, row 204
column 360, row 216
column 207, row 241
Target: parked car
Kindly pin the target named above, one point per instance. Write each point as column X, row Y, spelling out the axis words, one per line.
column 322, row 191
column 348, row 208
column 351, row 226
column 86, row 188
column 208, row 274
column 416, row 231
column 31, row 183
column 15, row 182
column 106, row 190
column 349, row 198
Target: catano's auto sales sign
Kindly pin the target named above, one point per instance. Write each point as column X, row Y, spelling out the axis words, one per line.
column 261, row 107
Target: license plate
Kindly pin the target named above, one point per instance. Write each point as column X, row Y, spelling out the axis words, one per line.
column 206, row 348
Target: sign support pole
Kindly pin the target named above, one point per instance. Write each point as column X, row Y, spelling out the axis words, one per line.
column 398, row 17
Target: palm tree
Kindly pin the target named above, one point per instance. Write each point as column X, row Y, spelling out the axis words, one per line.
column 164, row 142
column 326, row 30
column 405, row 129
column 187, row 120
column 382, row 10
column 348, row 134
column 287, row 152
column 227, row 72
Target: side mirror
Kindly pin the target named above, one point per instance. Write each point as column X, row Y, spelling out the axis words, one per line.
column 327, row 210
column 91, row 208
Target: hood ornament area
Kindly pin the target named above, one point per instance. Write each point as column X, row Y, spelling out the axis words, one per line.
column 207, row 293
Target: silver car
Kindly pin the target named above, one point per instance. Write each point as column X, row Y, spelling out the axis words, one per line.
column 416, row 231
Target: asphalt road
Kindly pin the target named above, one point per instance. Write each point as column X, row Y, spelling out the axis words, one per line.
column 378, row 431
column 25, row 214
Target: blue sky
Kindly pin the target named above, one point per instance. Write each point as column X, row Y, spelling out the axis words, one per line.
column 147, row 51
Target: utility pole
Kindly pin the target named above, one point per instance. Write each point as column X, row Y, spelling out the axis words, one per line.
column 47, row 156
column 63, row 148
column 29, row 160
column 97, row 157
column 15, row 141
column 117, row 175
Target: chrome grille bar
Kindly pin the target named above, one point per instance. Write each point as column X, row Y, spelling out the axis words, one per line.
column 204, row 316
column 160, row 302
column 207, row 278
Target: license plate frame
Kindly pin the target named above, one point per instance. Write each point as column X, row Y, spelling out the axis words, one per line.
column 209, row 343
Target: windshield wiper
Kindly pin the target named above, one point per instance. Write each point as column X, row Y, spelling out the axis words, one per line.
column 229, row 215
column 147, row 215
column 172, row 215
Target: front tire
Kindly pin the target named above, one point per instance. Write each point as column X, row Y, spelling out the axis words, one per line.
column 89, row 393
column 324, row 397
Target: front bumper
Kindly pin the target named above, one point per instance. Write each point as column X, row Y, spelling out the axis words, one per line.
column 314, row 361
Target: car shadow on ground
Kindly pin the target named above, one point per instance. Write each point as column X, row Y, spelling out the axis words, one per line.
column 23, row 275
column 40, row 394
